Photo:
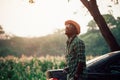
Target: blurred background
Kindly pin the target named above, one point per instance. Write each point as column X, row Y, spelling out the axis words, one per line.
column 32, row 34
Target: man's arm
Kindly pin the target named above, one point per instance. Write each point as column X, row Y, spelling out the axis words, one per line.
column 79, row 69
column 80, row 50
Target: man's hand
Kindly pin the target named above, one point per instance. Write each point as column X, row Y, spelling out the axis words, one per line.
column 65, row 70
column 76, row 77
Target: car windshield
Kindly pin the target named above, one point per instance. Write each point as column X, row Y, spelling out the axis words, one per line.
column 92, row 61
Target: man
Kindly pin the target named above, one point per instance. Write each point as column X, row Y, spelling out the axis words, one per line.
column 75, row 52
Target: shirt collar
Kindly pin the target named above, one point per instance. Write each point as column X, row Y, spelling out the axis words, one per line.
column 70, row 39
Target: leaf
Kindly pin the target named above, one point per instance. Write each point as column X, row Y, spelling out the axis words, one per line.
column 31, row 1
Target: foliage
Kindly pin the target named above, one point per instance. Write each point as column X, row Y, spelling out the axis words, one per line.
column 92, row 25
column 95, row 43
column 54, row 44
column 13, row 68
column 115, row 1
column 5, row 51
column 1, row 30
column 29, row 68
column 110, row 20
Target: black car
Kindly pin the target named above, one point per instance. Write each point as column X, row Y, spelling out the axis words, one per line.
column 105, row 67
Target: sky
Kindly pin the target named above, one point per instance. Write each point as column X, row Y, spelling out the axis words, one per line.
column 44, row 17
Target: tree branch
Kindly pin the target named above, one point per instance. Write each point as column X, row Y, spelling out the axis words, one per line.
column 85, row 2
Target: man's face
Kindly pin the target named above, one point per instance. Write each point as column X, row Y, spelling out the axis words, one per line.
column 69, row 29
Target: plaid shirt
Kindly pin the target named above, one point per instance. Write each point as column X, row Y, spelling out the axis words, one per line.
column 75, row 53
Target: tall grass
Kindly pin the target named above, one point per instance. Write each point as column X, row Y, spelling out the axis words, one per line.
column 29, row 68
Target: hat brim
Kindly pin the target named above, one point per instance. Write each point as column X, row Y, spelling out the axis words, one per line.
column 77, row 26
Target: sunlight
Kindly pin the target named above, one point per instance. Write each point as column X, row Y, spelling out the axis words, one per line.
column 38, row 19
column 42, row 17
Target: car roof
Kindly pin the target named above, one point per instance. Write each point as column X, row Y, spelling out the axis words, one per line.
column 102, row 58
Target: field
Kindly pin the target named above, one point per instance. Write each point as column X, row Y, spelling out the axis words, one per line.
column 29, row 68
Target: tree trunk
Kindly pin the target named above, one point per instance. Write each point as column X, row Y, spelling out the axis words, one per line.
column 91, row 5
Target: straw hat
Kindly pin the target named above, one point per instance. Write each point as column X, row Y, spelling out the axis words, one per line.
column 77, row 26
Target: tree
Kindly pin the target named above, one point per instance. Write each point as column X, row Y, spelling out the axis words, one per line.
column 1, row 30
column 92, row 25
column 118, row 21
column 110, row 20
column 92, row 7
column 3, row 35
